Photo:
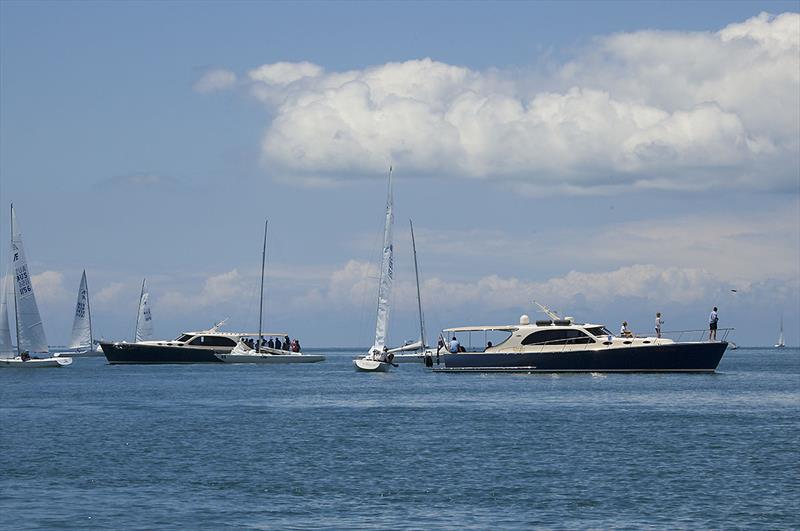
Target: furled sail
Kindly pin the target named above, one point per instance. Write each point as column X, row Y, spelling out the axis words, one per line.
column 30, row 331
column 387, row 272
column 6, row 348
column 144, row 320
column 82, row 324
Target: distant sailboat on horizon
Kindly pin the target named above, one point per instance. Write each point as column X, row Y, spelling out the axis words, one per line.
column 781, row 343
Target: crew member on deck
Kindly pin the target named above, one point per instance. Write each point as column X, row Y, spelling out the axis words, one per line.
column 454, row 345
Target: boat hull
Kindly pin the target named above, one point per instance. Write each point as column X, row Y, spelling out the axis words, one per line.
column 79, row 354
column 673, row 357
column 270, row 359
column 34, row 363
column 366, row 365
column 134, row 353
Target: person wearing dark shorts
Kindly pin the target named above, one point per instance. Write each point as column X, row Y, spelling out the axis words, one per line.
column 713, row 319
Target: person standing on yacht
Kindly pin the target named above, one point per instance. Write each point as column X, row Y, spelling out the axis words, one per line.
column 713, row 319
column 624, row 331
column 659, row 322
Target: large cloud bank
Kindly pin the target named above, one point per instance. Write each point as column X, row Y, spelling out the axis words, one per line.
column 651, row 109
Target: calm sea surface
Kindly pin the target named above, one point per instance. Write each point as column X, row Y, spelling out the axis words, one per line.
column 95, row 446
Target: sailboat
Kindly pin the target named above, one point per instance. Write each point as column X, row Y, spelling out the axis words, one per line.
column 416, row 351
column 781, row 343
column 31, row 339
column 262, row 353
column 144, row 319
column 82, row 341
column 379, row 359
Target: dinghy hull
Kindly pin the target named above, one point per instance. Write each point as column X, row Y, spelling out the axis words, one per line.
column 366, row 365
column 35, row 363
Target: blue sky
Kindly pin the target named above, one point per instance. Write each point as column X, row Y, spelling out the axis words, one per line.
column 613, row 159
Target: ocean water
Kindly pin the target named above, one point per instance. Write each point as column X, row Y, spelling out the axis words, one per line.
column 94, row 446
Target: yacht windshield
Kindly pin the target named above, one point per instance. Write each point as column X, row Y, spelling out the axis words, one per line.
column 598, row 331
column 184, row 337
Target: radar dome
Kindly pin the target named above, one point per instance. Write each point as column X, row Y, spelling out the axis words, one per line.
column 524, row 319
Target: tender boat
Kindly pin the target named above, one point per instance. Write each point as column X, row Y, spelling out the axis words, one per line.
column 563, row 345
column 31, row 339
column 242, row 353
column 260, row 352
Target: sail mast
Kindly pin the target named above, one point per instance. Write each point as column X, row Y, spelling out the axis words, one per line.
column 261, row 299
column 13, row 272
column 419, row 298
column 88, row 312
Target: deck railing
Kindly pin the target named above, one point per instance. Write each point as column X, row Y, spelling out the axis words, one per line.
column 696, row 335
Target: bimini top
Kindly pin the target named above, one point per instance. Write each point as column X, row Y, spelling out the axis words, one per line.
column 233, row 334
column 501, row 328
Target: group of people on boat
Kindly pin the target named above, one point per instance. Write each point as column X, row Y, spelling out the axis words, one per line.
column 713, row 319
column 287, row 344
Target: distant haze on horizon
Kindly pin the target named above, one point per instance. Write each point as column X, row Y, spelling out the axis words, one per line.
column 610, row 160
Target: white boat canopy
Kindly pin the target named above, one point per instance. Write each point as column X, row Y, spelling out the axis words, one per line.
column 504, row 328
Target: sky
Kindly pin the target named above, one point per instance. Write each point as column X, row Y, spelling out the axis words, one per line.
column 609, row 159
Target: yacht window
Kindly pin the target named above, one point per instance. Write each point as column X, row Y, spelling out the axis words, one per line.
column 213, row 341
column 184, row 337
column 599, row 331
column 559, row 336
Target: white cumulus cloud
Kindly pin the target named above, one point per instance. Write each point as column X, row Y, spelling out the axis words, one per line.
column 215, row 80
column 659, row 109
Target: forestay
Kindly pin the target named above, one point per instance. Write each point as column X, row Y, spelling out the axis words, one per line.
column 387, row 272
column 30, row 330
column 82, row 324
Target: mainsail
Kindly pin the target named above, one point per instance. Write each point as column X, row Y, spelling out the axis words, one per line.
column 82, row 325
column 144, row 320
column 6, row 348
column 387, row 272
column 30, row 331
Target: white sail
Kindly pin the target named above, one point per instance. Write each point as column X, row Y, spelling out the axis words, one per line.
column 781, row 342
column 6, row 348
column 82, row 324
column 30, row 331
column 144, row 320
column 387, row 272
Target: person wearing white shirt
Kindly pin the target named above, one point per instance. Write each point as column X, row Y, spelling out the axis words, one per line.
column 624, row 331
column 659, row 322
column 713, row 318
column 454, row 344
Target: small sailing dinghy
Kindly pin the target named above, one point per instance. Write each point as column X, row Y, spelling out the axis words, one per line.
column 260, row 352
column 379, row 359
column 32, row 350
column 82, row 342
column 781, row 343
